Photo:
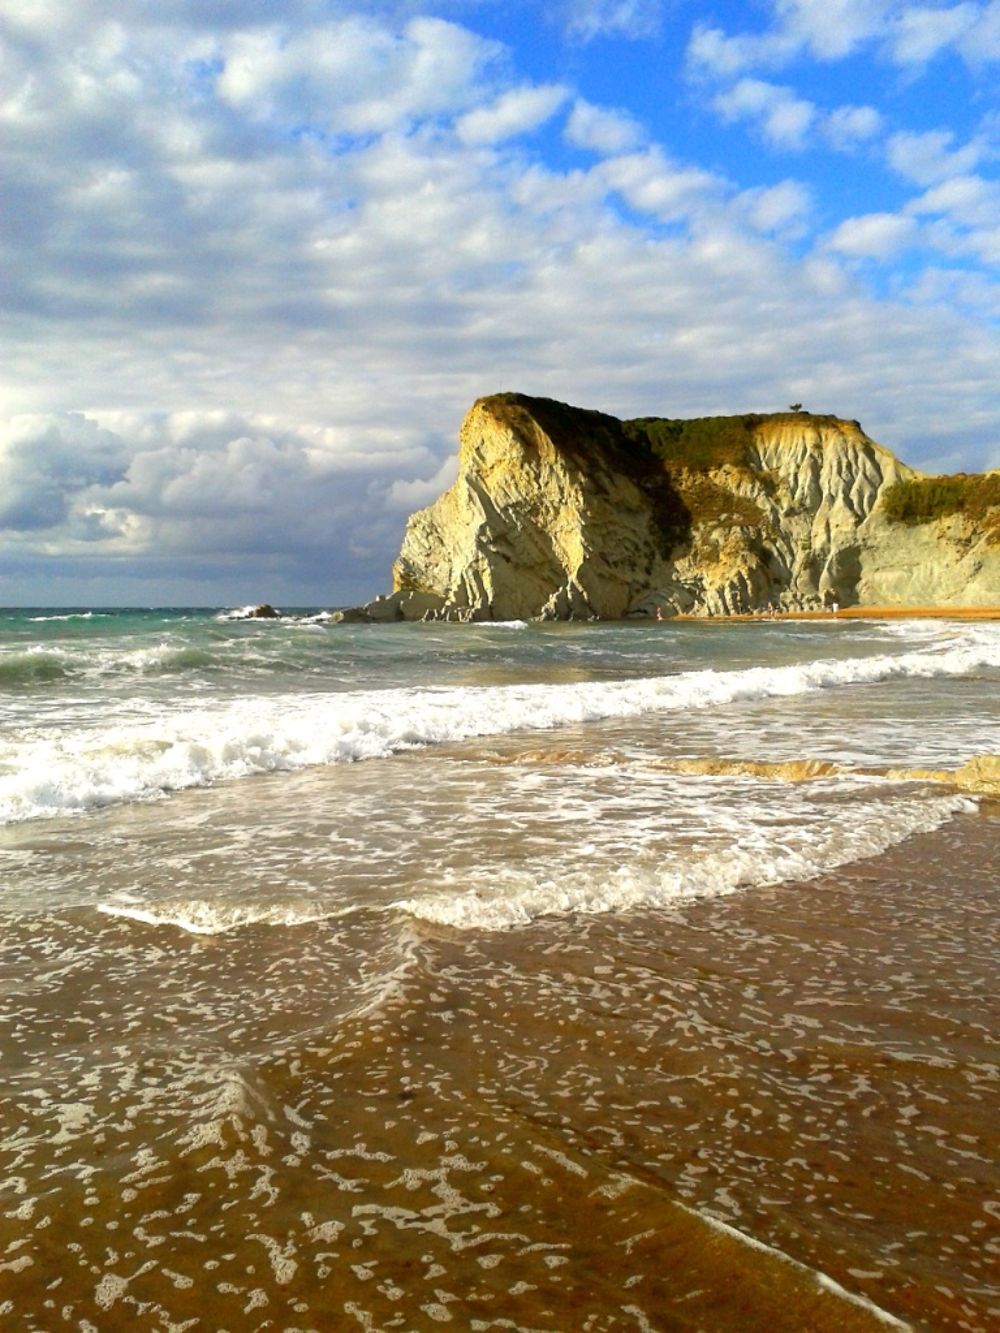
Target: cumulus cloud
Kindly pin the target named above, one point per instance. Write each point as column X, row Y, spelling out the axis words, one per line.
column 249, row 295
column 782, row 118
column 356, row 75
column 406, row 496
column 848, row 126
column 48, row 462
column 919, row 34
column 928, row 157
column 601, row 129
column 194, row 486
column 714, row 52
column 905, row 34
column 779, row 208
column 873, row 236
column 832, row 29
column 969, row 200
column 587, row 19
column 651, row 183
column 964, row 210
column 516, row 112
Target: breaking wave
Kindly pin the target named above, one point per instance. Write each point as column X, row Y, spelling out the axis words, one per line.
column 69, row 615
column 31, row 667
column 190, row 748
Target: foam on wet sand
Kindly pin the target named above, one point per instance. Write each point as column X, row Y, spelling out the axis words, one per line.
column 768, row 1110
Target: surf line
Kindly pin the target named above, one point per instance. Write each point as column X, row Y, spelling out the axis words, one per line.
column 822, row 1280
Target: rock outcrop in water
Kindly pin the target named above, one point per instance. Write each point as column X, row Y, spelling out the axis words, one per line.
column 563, row 513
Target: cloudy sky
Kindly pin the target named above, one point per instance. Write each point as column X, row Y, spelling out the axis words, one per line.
column 257, row 257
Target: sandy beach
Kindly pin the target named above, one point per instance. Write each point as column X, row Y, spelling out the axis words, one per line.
column 966, row 613
column 546, row 1129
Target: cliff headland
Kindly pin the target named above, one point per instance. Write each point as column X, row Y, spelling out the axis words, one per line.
column 562, row 513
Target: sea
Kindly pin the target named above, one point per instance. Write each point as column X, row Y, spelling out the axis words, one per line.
column 574, row 977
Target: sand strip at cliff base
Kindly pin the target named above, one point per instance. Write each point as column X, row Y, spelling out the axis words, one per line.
column 864, row 613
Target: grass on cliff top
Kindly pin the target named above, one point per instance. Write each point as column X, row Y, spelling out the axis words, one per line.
column 698, row 443
column 702, row 443
column 923, row 499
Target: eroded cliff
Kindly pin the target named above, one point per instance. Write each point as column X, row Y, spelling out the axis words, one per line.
column 564, row 513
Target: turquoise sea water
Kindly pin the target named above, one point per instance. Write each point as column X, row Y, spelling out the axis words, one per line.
column 173, row 716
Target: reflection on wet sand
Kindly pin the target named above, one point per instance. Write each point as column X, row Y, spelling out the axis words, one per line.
column 378, row 1123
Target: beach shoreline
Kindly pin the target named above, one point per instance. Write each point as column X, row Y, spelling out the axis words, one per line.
column 770, row 1110
column 965, row 613
column 500, row 978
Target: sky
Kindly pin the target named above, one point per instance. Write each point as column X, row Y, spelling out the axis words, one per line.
column 258, row 257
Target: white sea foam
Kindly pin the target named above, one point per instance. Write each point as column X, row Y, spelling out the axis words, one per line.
column 71, row 615
column 510, row 898
column 243, row 613
column 198, row 916
column 821, row 1279
column 44, row 775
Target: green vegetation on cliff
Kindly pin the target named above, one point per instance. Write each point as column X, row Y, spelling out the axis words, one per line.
column 923, row 499
column 699, row 443
column 703, row 443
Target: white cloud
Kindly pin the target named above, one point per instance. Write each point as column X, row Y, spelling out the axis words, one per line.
column 832, row 29
column 268, row 299
column 968, row 200
column 829, row 30
column 587, row 19
column 406, row 496
column 918, row 34
column 873, row 236
column 980, row 44
column 782, row 118
column 780, row 208
column 356, row 75
column 713, row 52
column 958, row 288
column 515, row 112
column 602, row 130
column 928, row 157
column 848, row 126
column 47, row 460
column 651, row 183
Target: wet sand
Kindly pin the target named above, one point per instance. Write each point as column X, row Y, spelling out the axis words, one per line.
column 671, row 1120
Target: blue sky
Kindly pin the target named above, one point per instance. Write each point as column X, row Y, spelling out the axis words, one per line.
column 257, row 259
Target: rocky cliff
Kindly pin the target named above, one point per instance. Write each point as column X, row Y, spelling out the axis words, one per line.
column 564, row 513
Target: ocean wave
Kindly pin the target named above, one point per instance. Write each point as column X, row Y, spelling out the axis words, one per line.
column 163, row 659
column 34, row 666
column 42, row 665
column 510, row 898
column 190, row 748
column 69, row 615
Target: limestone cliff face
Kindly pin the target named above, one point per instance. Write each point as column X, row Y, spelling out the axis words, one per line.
column 562, row 513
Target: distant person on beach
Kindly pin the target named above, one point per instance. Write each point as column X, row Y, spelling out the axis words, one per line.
column 659, row 613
